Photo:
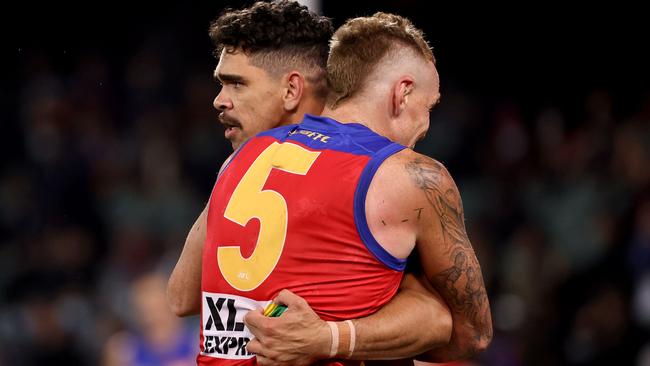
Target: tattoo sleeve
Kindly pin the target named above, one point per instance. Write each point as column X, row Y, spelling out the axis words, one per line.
column 461, row 284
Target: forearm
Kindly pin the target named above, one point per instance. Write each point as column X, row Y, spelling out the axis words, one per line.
column 184, row 286
column 470, row 311
column 460, row 346
column 457, row 349
column 413, row 322
column 449, row 261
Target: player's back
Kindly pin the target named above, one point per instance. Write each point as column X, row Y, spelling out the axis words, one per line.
column 289, row 212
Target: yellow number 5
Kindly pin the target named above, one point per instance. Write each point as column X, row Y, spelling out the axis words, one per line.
column 249, row 201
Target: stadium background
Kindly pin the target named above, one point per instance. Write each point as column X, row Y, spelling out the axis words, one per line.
column 109, row 148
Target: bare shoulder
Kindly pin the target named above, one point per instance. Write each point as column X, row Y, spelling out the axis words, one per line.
column 394, row 206
column 425, row 172
column 395, row 178
column 413, row 199
column 420, row 175
column 431, row 189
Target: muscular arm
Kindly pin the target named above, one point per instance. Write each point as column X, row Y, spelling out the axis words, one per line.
column 300, row 337
column 389, row 333
column 436, row 225
column 449, row 262
column 184, row 286
column 414, row 321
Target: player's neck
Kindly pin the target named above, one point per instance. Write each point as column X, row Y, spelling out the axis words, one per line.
column 369, row 116
column 307, row 106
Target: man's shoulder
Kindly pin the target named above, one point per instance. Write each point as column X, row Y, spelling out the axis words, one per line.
column 408, row 161
column 414, row 174
column 397, row 206
column 393, row 179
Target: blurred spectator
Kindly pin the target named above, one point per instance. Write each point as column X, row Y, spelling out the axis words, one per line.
column 157, row 337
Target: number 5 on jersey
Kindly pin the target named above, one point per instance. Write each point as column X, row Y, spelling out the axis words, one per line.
column 250, row 201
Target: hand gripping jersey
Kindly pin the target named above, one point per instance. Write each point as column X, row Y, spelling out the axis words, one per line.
column 289, row 212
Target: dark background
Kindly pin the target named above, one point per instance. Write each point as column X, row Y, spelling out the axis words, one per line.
column 109, row 148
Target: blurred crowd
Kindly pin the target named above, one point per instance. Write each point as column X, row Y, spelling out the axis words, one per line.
column 108, row 163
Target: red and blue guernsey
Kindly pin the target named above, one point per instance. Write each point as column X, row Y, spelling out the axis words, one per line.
column 289, row 212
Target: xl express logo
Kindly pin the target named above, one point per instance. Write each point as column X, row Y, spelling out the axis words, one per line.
column 224, row 332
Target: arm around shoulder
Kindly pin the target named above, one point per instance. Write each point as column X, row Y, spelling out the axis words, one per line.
column 448, row 259
column 414, row 321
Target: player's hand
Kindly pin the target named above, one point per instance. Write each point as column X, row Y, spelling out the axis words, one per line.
column 297, row 337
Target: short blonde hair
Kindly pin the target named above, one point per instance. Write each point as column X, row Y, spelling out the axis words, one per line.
column 359, row 45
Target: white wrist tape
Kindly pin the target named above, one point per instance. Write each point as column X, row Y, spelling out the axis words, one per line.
column 353, row 337
column 334, row 329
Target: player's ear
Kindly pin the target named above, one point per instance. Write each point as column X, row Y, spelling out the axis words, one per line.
column 401, row 90
column 294, row 88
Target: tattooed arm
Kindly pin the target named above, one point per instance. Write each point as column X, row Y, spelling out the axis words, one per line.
column 409, row 201
column 414, row 321
column 449, row 261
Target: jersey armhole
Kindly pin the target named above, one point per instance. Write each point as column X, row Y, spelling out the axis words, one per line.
column 360, row 220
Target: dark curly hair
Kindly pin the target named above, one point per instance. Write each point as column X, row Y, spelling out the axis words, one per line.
column 278, row 36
